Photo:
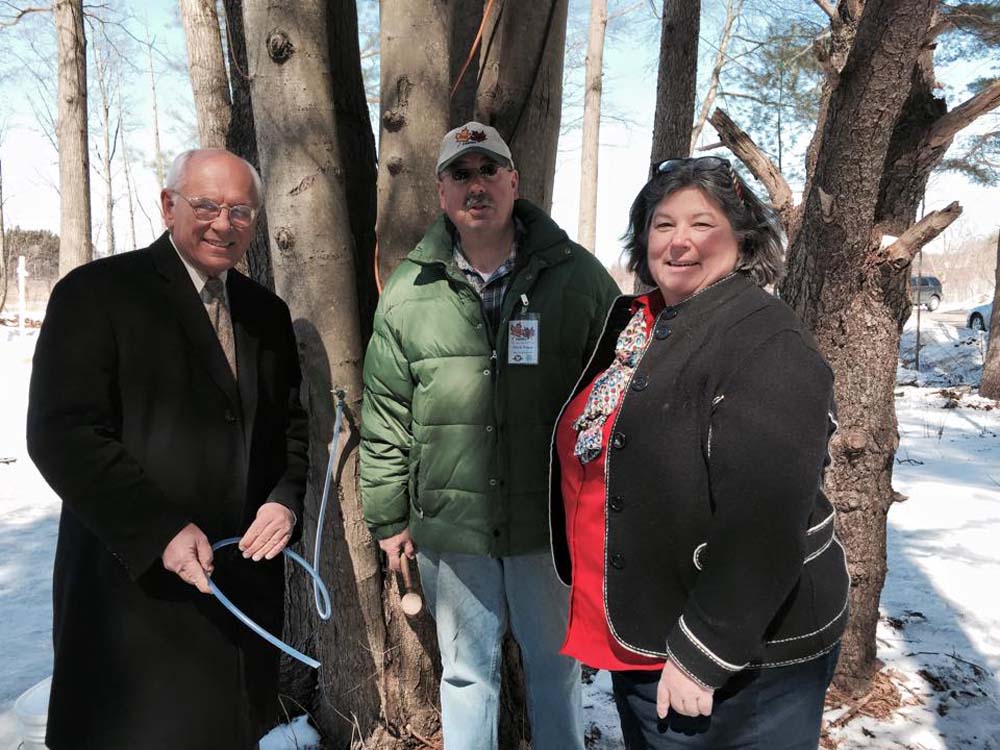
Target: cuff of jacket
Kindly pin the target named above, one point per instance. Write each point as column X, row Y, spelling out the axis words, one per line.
column 698, row 661
column 386, row 530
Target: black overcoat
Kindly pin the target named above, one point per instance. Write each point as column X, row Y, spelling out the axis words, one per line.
column 136, row 421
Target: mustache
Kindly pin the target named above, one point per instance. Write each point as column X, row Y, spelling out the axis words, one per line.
column 477, row 200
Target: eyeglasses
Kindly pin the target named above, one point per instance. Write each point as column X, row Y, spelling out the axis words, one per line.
column 240, row 216
column 703, row 164
column 487, row 170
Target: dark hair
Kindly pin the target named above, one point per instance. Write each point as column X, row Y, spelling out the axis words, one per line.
column 758, row 231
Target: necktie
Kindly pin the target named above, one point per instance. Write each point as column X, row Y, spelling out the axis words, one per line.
column 218, row 313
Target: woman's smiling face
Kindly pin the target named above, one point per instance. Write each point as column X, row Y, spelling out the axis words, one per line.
column 690, row 244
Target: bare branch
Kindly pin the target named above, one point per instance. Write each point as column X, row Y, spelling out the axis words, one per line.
column 964, row 114
column 733, row 9
column 18, row 13
column 830, row 10
column 902, row 251
column 757, row 162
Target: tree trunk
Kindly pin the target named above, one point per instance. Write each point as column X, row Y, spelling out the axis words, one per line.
column 834, row 282
column 74, row 155
column 102, row 68
column 357, row 148
column 208, row 71
column 241, row 139
column 415, row 71
column 989, row 384
column 127, row 164
column 363, row 678
column 587, row 223
column 466, row 49
column 520, row 92
column 677, row 80
column 157, row 151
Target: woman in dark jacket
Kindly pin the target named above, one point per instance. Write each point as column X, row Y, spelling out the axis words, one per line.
column 688, row 511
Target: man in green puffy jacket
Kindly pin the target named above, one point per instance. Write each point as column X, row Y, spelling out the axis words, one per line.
column 480, row 335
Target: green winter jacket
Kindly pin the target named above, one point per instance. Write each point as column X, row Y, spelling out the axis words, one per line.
column 455, row 441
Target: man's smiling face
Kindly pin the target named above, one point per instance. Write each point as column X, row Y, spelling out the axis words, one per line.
column 216, row 245
column 477, row 203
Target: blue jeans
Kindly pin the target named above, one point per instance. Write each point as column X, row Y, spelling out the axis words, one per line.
column 472, row 598
column 778, row 708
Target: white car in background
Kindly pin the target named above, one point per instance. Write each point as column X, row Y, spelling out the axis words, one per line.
column 979, row 317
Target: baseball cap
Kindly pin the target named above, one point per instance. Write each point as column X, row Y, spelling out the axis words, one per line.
column 473, row 137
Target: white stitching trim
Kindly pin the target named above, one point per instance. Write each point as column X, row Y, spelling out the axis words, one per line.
column 840, row 614
column 717, row 399
column 704, row 649
column 790, row 662
column 821, row 524
column 697, row 551
column 708, row 448
column 685, row 670
column 820, row 551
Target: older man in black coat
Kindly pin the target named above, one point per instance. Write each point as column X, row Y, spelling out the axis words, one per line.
column 164, row 411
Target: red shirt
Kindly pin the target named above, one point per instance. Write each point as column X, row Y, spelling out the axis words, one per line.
column 588, row 637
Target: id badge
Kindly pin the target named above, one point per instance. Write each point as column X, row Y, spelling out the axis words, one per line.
column 522, row 339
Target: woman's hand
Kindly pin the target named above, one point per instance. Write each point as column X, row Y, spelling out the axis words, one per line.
column 678, row 691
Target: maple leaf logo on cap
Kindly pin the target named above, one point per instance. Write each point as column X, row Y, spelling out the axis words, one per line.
column 470, row 136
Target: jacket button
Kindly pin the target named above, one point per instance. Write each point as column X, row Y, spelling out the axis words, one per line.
column 496, row 533
column 229, row 416
column 639, row 382
column 617, row 561
column 669, row 313
column 617, row 503
column 493, row 482
column 618, row 441
column 661, row 331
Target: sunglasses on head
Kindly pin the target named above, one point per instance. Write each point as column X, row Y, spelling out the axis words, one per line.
column 703, row 164
column 487, row 170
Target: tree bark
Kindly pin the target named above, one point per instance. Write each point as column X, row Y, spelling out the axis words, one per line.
column 989, row 384
column 835, row 283
column 357, row 148
column 677, row 80
column 415, row 71
column 207, row 68
column 520, row 91
column 75, row 247
column 587, row 223
column 241, row 139
column 361, row 691
column 102, row 68
column 161, row 176
column 466, row 21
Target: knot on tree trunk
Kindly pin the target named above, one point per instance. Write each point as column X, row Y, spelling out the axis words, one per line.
column 852, row 442
column 284, row 238
column 395, row 166
column 393, row 120
column 279, row 46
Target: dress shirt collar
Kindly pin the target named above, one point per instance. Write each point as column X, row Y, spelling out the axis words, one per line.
column 198, row 278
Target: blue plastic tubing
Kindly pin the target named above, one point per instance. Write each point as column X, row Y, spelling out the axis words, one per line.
column 320, row 592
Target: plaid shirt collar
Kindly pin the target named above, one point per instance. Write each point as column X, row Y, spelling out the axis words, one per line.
column 477, row 279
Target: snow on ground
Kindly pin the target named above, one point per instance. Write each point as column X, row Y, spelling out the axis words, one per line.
column 940, row 629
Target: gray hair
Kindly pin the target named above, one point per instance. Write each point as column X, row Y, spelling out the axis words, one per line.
column 758, row 231
column 175, row 177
